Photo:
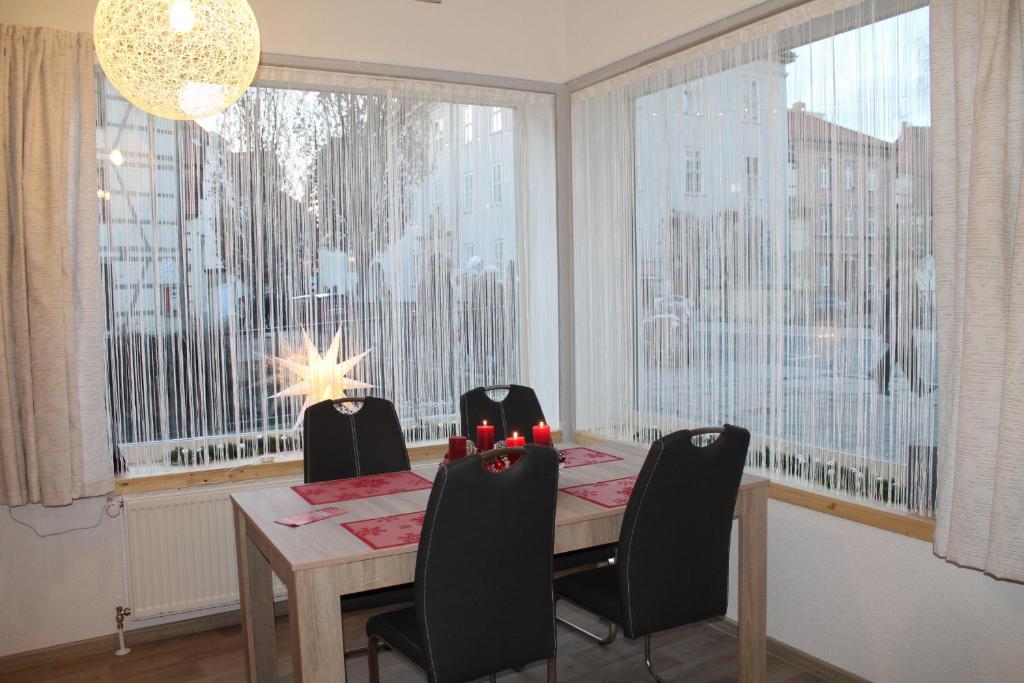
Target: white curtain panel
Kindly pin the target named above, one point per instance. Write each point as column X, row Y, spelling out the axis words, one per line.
column 753, row 245
column 54, row 444
column 978, row 109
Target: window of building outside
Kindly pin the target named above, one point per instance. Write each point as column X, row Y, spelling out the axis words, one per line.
column 694, row 173
column 467, row 192
column 467, row 125
column 496, row 184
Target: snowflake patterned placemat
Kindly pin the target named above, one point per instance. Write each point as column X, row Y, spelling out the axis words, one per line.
column 610, row 494
column 361, row 487
column 577, row 457
column 388, row 532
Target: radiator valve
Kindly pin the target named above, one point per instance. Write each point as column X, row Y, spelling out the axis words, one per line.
column 119, row 616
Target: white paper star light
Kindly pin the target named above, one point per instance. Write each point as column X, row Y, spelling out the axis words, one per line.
column 317, row 377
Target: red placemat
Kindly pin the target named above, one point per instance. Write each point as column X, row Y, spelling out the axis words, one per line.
column 388, row 532
column 361, row 487
column 577, row 457
column 610, row 494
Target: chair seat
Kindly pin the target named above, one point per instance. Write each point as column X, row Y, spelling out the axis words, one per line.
column 381, row 597
column 581, row 558
column 596, row 590
column 401, row 631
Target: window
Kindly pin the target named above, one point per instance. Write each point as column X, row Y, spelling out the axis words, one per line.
column 753, row 177
column 697, row 271
column 751, row 100
column 694, row 179
column 467, row 124
column 872, row 221
column 496, row 182
column 497, row 120
column 438, row 136
column 467, row 191
column 499, row 252
column 691, row 100
column 229, row 250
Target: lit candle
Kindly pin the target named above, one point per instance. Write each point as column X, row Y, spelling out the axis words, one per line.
column 515, row 440
column 456, row 447
column 542, row 434
column 484, row 437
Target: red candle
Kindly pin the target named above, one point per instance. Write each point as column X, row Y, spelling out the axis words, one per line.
column 515, row 440
column 542, row 434
column 456, row 447
column 484, row 437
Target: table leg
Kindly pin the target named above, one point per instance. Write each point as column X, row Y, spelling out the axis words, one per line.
column 318, row 646
column 256, row 595
column 753, row 585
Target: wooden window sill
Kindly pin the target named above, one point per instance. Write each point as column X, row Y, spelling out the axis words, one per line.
column 904, row 523
column 250, row 471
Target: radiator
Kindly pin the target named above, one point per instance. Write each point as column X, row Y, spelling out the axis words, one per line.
column 180, row 549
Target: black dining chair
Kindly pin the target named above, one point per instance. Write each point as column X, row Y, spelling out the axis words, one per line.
column 518, row 411
column 484, row 600
column 672, row 566
column 340, row 445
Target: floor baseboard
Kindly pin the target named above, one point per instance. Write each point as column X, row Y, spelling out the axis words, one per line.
column 137, row 636
column 788, row 653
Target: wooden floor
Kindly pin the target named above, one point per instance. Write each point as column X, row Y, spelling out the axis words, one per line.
column 694, row 653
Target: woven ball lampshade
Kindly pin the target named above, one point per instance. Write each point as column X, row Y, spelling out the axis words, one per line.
column 179, row 59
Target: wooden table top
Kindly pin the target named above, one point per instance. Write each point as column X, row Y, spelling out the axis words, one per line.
column 328, row 543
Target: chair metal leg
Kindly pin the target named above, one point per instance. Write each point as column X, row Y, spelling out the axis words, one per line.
column 371, row 659
column 647, row 660
column 613, row 629
column 552, row 670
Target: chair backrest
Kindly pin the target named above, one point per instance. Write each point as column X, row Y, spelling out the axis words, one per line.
column 483, row 595
column 673, row 557
column 519, row 411
column 338, row 445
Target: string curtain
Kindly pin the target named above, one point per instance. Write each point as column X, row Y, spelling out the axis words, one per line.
column 410, row 219
column 753, row 245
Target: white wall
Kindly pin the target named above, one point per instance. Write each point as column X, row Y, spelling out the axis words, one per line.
column 515, row 38
column 600, row 32
column 62, row 588
column 882, row 606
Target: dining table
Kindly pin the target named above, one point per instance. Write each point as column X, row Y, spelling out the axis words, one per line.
column 372, row 545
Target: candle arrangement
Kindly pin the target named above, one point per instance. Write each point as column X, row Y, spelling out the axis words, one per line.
column 460, row 446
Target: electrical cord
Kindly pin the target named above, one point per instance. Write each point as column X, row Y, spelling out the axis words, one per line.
column 99, row 520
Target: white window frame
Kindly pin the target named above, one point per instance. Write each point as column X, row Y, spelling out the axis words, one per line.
column 825, row 175
column 497, row 120
column 849, row 177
